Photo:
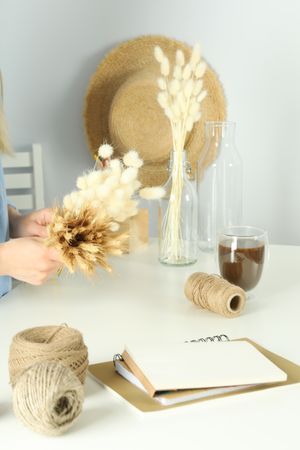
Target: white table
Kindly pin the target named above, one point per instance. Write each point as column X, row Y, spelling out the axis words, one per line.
column 143, row 299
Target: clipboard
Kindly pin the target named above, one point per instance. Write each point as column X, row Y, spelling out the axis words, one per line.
column 105, row 374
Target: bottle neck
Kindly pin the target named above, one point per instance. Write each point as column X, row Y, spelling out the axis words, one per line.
column 220, row 132
column 178, row 162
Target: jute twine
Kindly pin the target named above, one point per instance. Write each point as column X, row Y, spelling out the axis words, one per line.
column 214, row 293
column 47, row 367
column 48, row 397
column 49, row 343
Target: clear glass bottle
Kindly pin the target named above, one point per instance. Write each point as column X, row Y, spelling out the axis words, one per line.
column 219, row 186
column 178, row 215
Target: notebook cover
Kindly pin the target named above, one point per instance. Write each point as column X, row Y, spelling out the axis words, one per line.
column 105, row 373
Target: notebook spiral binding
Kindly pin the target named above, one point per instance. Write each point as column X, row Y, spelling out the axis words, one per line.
column 217, row 338
column 117, row 357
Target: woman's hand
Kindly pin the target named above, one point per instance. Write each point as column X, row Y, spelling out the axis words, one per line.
column 33, row 224
column 28, row 259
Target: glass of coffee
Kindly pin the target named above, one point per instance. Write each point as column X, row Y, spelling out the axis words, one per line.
column 242, row 251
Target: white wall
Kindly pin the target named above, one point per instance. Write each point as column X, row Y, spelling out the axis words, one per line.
column 50, row 48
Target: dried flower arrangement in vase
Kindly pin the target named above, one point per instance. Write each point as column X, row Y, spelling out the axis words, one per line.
column 86, row 228
column 180, row 96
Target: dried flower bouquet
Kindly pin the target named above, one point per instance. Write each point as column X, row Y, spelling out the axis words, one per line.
column 86, row 228
column 180, row 96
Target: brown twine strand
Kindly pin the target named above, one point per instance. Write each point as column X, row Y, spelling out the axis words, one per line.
column 47, row 368
column 51, row 343
column 48, row 397
column 212, row 292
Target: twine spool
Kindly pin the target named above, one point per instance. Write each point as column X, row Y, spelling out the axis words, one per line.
column 50, row 343
column 48, row 397
column 216, row 294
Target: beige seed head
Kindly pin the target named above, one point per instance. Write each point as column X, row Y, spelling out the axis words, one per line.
column 188, row 88
column 174, row 87
column 187, row 72
column 165, row 67
column 200, row 69
column 189, row 123
column 159, row 54
column 180, row 60
column 162, row 99
column 195, row 56
column 198, row 84
column 162, row 84
column 201, row 96
column 177, row 72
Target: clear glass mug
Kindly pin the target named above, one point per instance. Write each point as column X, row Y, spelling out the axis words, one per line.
column 242, row 251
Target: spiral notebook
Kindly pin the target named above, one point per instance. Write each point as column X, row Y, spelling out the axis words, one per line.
column 106, row 374
column 177, row 366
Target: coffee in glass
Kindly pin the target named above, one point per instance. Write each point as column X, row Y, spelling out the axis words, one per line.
column 242, row 252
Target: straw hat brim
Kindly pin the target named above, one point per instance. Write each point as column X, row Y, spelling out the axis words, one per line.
column 121, row 106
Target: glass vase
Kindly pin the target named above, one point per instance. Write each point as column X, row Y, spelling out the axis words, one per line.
column 178, row 215
column 219, row 186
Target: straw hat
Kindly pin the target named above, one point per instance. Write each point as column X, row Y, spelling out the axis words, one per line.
column 121, row 106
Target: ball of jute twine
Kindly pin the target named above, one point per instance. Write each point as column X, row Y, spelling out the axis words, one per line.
column 48, row 397
column 212, row 292
column 48, row 343
column 47, row 368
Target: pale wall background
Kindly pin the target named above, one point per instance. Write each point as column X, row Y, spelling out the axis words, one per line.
column 50, row 48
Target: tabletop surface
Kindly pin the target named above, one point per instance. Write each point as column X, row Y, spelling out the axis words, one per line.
column 143, row 299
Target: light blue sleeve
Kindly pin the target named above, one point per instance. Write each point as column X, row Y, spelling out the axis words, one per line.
column 5, row 282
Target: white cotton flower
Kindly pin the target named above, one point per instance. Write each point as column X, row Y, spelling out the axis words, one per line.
column 165, row 67
column 87, row 196
column 177, row 72
column 93, row 178
column 67, row 202
column 187, row 72
column 102, row 191
column 162, row 99
column 180, row 58
column 105, row 151
column 158, row 53
column 174, row 87
column 114, row 226
column 129, row 175
column 201, row 96
column 81, row 182
column 200, row 69
column 188, row 88
column 152, row 193
column 131, row 159
column 115, row 166
column 195, row 56
column 198, row 84
column 162, row 84
column 119, row 194
column 112, row 182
